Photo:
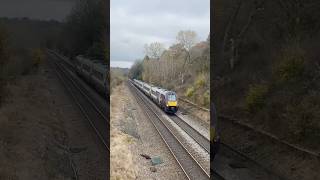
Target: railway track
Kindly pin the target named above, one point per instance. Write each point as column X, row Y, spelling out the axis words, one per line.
column 193, row 133
column 190, row 166
column 270, row 136
column 232, row 164
column 95, row 115
column 193, row 104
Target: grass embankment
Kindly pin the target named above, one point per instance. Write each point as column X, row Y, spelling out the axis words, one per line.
column 15, row 62
column 121, row 158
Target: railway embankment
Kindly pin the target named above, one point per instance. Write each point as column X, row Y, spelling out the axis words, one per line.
column 43, row 134
column 134, row 139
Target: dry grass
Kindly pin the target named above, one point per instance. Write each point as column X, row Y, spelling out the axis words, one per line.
column 122, row 166
column 121, row 159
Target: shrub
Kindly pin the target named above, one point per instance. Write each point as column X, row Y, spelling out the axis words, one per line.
column 190, row 91
column 255, row 99
column 37, row 57
column 292, row 65
column 206, row 98
column 290, row 69
column 201, row 81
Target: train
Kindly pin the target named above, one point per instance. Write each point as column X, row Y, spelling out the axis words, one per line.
column 167, row 100
column 94, row 72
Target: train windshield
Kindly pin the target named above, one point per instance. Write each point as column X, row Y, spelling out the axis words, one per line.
column 172, row 97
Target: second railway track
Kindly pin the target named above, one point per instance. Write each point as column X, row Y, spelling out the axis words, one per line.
column 193, row 133
column 94, row 114
column 189, row 165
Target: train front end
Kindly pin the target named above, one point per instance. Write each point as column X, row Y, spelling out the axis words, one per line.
column 172, row 102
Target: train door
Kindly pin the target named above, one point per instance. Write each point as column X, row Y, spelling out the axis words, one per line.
column 162, row 101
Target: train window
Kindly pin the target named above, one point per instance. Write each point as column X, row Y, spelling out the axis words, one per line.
column 172, row 97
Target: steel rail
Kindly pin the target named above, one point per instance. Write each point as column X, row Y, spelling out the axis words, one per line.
column 192, row 132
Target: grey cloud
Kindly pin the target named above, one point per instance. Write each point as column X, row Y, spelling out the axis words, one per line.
column 36, row 9
column 135, row 23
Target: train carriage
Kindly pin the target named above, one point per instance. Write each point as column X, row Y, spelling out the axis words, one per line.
column 93, row 71
column 99, row 75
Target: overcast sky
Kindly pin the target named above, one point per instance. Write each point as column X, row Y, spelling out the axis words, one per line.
column 36, row 9
column 137, row 22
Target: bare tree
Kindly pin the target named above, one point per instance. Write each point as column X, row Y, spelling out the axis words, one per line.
column 187, row 39
column 235, row 40
column 154, row 50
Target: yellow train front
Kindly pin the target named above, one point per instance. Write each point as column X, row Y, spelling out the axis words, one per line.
column 169, row 102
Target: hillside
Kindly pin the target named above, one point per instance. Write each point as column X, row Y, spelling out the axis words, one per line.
column 266, row 68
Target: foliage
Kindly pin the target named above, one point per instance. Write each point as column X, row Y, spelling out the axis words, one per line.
column 136, row 70
column 85, row 30
column 255, row 99
column 190, row 92
column 200, row 81
column 206, row 99
column 38, row 56
column 118, row 75
column 292, row 66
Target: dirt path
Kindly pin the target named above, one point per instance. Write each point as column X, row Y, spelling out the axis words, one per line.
column 133, row 134
column 39, row 122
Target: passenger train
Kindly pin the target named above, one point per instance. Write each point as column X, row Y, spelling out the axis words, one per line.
column 94, row 72
column 165, row 99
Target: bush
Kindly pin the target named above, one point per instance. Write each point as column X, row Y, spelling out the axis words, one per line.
column 201, row 81
column 206, row 98
column 190, row 91
column 38, row 57
column 292, row 65
column 255, row 99
column 290, row 69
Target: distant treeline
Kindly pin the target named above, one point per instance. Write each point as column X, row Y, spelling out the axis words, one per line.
column 85, row 31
